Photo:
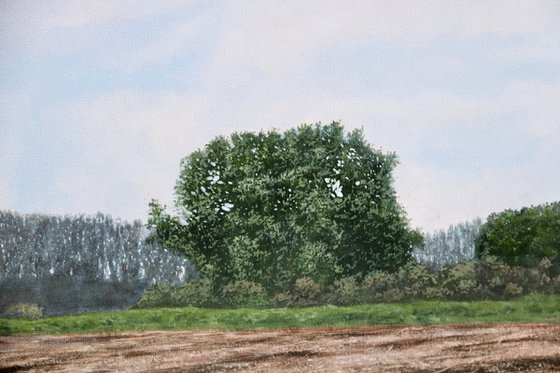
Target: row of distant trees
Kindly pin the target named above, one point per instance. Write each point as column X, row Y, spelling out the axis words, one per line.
column 91, row 254
column 449, row 247
column 92, row 262
column 517, row 237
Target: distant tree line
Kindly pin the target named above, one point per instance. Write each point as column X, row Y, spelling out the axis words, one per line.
column 45, row 257
column 449, row 247
column 516, row 237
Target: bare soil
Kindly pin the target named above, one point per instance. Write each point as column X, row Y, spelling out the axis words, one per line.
column 441, row 348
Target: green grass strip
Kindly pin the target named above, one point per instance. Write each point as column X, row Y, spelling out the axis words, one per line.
column 532, row 308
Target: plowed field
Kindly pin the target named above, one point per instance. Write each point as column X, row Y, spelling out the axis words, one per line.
column 441, row 348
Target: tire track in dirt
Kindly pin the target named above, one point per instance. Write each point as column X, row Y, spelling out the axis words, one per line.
column 440, row 348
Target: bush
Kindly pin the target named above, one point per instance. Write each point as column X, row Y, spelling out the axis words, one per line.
column 414, row 280
column 244, row 293
column 158, row 296
column 346, row 291
column 556, row 283
column 24, row 310
column 305, row 292
column 376, row 284
column 512, row 289
column 488, row 278
column 495, row 276
column 195, row 294
column 461, row 282
column 492, row 275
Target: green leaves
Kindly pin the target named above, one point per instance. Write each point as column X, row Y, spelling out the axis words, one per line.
column 271, row 207
column 522, row 236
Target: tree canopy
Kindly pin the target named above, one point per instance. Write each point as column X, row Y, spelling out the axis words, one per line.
column 271, row 207
column 518, row 236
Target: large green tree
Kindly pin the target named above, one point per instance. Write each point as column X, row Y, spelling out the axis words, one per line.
column 521, row 236
column 272, row 207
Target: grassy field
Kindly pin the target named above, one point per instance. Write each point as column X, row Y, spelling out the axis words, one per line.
column 533, row 308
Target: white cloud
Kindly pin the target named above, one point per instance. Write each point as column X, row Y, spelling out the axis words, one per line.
column 12, row 115
column 539, row 106
column 47, row 15
column 542, row 47
column 172, row 43
column 126, row 149
column 279, row 37
column 504, row 18
column 127, row 146
column 434, row 200
column 41, row 28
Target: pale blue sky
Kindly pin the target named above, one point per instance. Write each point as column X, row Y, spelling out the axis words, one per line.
column 99, row 100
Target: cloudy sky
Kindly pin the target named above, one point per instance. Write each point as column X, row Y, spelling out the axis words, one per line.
column 99, row 100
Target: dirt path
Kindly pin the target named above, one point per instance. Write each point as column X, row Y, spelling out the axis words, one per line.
column 443, row 348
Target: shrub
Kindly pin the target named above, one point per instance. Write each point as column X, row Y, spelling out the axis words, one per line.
column 243, row 293
column 434, row 292
column 158, row 296
column 196, row 294
column 346, row 291
column 512, row 289
column 531, row 279
column 556, row 283
column 461, row 281
column 305, row 292
column 487, row 278
column 376, row 284
column 393, row 295
column 282, row 299
column 414, row 279
column 24, row 310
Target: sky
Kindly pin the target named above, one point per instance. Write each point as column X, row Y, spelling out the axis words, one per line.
column 100, row 100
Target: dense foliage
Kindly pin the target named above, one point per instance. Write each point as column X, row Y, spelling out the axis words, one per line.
column 272, row 207
column 523, row 236
column 80, row 262
column 471, row 280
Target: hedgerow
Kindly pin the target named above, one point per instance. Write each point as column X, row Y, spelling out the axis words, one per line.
column 488, row 278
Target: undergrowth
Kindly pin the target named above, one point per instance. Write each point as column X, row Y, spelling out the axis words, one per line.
column 473, row 280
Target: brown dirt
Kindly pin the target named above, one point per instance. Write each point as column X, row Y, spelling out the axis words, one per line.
column 442, row 348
